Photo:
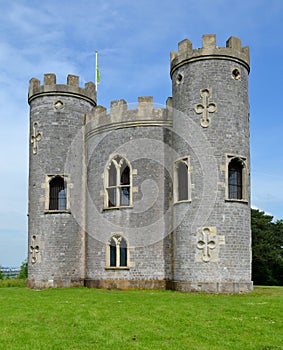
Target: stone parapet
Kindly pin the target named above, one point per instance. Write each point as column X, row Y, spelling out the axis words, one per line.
column 209, row 50
column 121, row 117
column 72, row 88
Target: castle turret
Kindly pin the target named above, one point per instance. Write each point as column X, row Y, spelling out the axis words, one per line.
column 212, row 240
column 56, row 240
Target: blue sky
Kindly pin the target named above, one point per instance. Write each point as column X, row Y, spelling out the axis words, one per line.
column 134, row 39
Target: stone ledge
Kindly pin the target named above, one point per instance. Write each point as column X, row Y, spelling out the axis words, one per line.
column 127, row 284
column 213, row 287
column 59, row 211
column 57, row 282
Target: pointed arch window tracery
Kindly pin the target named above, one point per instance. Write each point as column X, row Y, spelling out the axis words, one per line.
column 117, row 254
column 118, row 184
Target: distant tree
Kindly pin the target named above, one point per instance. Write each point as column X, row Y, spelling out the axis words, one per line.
column 1, row 274
column 24, row 270
column 267, row 249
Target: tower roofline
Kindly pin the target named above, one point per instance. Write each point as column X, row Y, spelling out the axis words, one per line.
column 72, row 88
column 233, row 51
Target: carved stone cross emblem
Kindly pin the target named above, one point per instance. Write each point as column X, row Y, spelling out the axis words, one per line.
column 205, row 108
column 36, row 137
column 34, row 250
column 206, row 243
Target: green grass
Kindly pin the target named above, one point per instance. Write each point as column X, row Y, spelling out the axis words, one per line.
column 80, row 318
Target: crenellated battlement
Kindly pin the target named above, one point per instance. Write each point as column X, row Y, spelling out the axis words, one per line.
column 233, row 51
column 72, row 88
column 120, row 116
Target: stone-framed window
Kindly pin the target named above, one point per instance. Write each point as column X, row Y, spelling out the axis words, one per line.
column 236, row 178
column 57, row 194
column 57, row 197
column 118, row 183
column 182, row 180
column 117, row 252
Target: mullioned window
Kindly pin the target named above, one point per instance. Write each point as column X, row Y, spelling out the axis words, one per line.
column 118, row 183
column 117, row 252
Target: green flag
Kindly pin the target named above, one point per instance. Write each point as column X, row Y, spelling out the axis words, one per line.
column 97, row 73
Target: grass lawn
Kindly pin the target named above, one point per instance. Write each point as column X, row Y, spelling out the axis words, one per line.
column 80, row 318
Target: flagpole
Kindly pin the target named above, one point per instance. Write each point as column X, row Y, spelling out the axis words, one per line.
column 96, row 67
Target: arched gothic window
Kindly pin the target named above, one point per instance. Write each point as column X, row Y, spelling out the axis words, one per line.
column 182, row 186
column 118, row 183
column 57, row 194
column 118, row 252
column 236, row 179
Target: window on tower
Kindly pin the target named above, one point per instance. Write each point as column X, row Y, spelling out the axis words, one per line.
column 236, row 178
column 182, row 185
column 57, row 194
column 118, row 187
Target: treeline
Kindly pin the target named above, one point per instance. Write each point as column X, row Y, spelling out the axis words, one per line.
column 23, row 272
column 267, row 249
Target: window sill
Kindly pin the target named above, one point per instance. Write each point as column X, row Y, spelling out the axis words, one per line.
column 245, row 201
column 184, row 201
column 117, row 268
column 57, row 211
column 121, row 207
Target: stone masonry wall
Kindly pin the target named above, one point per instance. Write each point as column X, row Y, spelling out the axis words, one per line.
column 56, row 256
column 228, row 221
column 145, row 225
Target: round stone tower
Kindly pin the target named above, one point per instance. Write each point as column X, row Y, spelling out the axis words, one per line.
column 56, row 240
column 212, row 239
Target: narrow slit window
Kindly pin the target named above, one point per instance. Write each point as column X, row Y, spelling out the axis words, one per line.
column 235, row 179
column 182, row 180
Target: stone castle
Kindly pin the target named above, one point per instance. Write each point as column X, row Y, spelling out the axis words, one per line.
column 144, row 196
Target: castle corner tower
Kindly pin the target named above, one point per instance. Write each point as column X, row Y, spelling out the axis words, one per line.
column 212, row 238
column 56, row 241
